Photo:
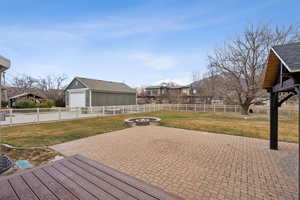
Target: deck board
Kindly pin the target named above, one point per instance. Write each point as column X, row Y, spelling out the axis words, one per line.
column 110, row 179
column 22, row 190
column 38, row 188
column 92, row 189
column 98, row 182
column 7, row 192
column 77, row 178
column 54, row 186
column 74, row 188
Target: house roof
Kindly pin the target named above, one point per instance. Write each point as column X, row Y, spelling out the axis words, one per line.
column 107, row 86
column 4, row 63
column 168, row 86
column 49, row 94
column 288, row 55
column 24, row 94
column 154, row 87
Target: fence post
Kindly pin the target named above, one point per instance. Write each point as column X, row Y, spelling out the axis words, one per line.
column 38, row 114
column 195, row 107
column 59, row 113
column 214, row 107
column 77, row 112
column 185, row 107
column 204, row 107
column 224, row 108
column 103, row 110
column 10, row 116
column 114, row 110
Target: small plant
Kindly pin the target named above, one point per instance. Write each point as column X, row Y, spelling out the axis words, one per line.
column 25, row 104
column 47, row 104
column 4, row 103
column 60, row 102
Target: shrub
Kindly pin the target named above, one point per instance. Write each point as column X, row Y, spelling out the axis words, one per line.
column 47, row 104
column 4, row 103
column 60, row 103
column 25, row 104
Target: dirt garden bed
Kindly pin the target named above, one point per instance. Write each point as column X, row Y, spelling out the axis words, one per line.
column 36, row 156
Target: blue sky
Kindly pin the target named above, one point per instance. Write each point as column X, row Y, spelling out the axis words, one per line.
column 132, row 41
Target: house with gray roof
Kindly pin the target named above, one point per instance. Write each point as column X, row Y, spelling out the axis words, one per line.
column 84, row 92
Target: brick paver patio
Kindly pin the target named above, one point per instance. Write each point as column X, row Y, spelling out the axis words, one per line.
column 196, row 165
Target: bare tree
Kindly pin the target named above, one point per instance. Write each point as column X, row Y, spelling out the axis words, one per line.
column 196, row 76
column 24, row 82
column 55, row 82
column 241, row 62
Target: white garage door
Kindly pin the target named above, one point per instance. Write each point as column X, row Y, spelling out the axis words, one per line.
column 77, row 99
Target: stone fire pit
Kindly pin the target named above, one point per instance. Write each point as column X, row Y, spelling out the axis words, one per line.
column 142, row 121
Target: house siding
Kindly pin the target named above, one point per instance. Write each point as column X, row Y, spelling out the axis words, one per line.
column 67, row 98
column 87, row 98
column 108, row 99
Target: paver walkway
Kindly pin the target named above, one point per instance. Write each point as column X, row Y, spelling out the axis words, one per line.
column 196, row 165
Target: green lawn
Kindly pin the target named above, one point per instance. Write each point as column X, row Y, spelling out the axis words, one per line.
column 227, row 123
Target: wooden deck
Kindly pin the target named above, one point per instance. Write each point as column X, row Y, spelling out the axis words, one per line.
column 77, row 177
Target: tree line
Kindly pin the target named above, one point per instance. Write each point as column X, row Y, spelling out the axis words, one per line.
column 50, row 86
column 49, row 82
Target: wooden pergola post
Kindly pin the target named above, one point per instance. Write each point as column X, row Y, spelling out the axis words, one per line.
column 298, row 92
column 274, row 120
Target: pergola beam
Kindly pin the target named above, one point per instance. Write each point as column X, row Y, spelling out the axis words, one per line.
column 286, row 98
column 285, row 86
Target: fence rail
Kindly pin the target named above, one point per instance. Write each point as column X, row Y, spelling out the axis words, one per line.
column 37, row 115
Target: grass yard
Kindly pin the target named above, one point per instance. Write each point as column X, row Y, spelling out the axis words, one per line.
column 227, row 123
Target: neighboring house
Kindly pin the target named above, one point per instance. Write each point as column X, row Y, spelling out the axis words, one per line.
column 57, row 96
column 165, row 93
column 4, row 65
column 25, row 97
column 162, row 90
column 155, row 91
column 207, row 91
column 84, row 92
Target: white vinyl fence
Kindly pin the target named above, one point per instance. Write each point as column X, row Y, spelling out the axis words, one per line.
column 37, row 115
